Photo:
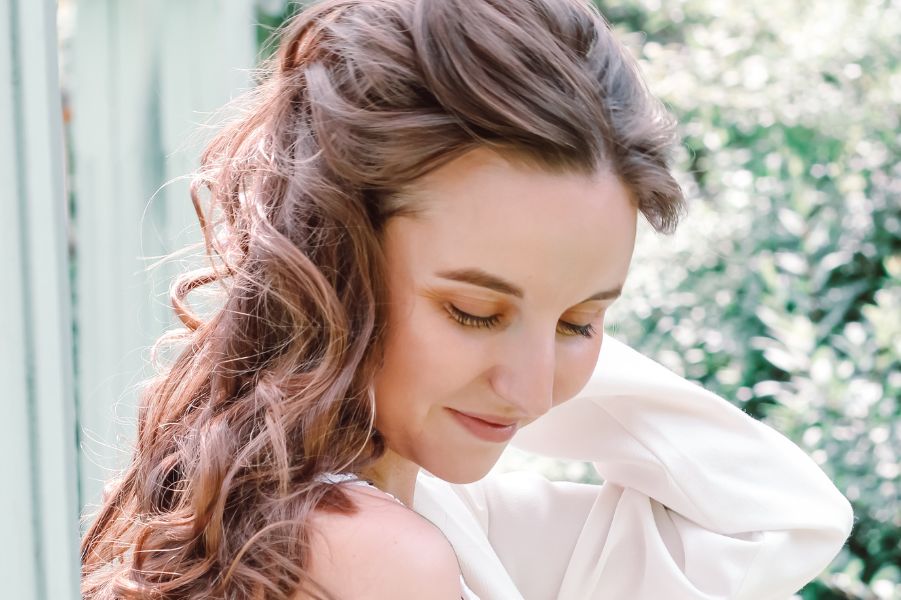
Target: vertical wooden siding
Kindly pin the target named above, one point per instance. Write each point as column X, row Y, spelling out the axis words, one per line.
column 38, row 556
column 147, row 74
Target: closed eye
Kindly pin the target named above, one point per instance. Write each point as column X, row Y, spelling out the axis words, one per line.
column 469, row 320
column 573, row 329
column 464, row 318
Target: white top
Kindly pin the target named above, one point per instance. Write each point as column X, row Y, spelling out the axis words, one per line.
column 700, row 501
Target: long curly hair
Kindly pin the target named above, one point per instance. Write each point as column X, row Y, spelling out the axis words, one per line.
column 361, row 98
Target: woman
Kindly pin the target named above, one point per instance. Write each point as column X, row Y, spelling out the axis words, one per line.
column 418, row 222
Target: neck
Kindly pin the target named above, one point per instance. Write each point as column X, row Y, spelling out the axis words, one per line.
column 394, row 474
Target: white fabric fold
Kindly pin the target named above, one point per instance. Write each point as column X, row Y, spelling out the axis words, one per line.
column 699, row 501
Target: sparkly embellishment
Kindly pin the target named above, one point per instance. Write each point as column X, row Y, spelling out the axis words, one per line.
column 340, row 477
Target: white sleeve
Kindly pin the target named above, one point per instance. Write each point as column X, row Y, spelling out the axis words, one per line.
column 699, row 501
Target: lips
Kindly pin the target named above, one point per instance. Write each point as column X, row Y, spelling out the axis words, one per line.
column 488, row 419
column 494, row 431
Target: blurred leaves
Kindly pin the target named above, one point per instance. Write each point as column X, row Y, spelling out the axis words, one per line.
column 782, row 289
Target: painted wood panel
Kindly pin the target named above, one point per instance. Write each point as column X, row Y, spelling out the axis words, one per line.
column 148, row 73
column 82, row 309
column 39, row 557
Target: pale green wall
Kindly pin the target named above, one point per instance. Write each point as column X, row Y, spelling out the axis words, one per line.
column 146, row 74
column 38, row 556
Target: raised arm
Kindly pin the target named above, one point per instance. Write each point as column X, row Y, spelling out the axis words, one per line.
column 700, row 500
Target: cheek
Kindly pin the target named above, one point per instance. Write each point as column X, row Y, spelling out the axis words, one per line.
column 425, row 362
column 575, row 363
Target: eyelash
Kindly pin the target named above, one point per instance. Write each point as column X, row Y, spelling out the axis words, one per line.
column 468, row 320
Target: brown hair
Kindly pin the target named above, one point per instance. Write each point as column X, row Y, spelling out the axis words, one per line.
column 362, row 97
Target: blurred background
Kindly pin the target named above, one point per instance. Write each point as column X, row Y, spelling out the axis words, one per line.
column 781, row 290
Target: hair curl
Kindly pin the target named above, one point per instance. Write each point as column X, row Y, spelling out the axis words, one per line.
column 361, row 99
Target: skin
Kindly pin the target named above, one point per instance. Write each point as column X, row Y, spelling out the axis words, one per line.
column 560, row 239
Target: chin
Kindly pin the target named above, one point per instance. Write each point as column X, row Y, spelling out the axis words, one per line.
column 461, row 469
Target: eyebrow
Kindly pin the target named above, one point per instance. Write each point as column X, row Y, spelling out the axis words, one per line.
column 493, row 282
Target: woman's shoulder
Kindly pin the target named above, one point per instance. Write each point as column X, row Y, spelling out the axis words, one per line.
column 384, row 550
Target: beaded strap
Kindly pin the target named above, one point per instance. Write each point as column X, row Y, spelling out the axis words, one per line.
column 341, row 477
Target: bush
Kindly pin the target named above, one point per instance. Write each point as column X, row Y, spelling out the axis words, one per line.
column 782, row 291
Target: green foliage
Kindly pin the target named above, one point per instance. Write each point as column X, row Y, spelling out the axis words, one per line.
column 782, row 290
column 270, row 15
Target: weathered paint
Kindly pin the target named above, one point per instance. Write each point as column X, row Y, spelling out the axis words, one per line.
column 39, row 558
column 147, row 74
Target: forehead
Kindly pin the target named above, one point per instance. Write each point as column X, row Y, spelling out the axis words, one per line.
column 564, row 231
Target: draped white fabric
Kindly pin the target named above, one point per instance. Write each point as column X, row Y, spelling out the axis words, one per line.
column 700, row 501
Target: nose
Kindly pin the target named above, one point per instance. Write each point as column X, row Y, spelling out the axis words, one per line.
column 524, row 375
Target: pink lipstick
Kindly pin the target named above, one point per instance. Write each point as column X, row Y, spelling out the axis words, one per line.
column 484, row 430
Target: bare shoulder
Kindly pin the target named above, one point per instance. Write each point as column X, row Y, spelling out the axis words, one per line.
column 384, row 551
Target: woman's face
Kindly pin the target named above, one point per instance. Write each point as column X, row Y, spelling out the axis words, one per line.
column 498, row 288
